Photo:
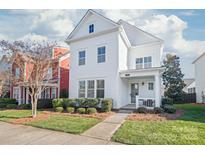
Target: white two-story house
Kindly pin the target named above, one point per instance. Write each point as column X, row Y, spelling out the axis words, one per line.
column 114, row 60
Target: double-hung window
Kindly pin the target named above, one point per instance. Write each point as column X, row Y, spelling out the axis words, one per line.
column 147, row 62
column 101, row 54
column 81, row 90
column 100, row 91
column 139, row 63
column 91, row 28
column 91, row 88
column 81, row 57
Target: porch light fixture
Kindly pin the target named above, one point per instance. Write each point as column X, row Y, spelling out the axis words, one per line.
column 143, row 83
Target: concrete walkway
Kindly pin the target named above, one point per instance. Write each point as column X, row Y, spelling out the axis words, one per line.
column 107, row 128
column 11, row 134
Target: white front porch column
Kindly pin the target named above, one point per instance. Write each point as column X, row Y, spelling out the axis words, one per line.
column 157, row 90
column 27, row 96
column 137, row 102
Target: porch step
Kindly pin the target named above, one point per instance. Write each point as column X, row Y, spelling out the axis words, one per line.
column 125, row 111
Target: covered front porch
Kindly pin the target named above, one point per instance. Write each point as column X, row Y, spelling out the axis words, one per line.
column 143, row 88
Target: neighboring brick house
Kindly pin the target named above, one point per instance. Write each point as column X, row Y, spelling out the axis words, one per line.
column 59, row 72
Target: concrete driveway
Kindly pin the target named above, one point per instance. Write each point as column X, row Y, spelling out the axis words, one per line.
column 11, row 134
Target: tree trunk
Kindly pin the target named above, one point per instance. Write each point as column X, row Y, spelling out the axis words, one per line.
column 34, row 106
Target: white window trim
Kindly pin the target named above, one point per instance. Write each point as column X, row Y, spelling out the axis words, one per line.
column 143, row 62
column 81, row 58
column 95, row 86
column 100, row 46
column 152, row 86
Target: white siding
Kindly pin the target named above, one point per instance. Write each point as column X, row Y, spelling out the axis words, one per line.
column 200, row 78
column 99, row 26
column 153, row 50
column 93, row 70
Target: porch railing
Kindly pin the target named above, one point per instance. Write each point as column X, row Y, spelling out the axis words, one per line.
column 145, row 102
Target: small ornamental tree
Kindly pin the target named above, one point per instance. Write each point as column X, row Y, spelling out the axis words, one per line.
column 173, row 78
column 38, row 56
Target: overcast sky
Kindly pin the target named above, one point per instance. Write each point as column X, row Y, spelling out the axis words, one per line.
column 183, row 31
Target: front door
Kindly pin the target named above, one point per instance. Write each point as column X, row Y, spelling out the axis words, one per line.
column 134, row 92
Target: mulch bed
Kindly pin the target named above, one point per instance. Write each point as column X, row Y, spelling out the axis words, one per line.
column 46, row 114
column 154, row 117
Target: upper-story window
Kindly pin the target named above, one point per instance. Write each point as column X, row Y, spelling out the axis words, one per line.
column 147, row 62
column 81, row 58
column 91, row 28
column 17, row 73
column 101, row 54
column 139, row 63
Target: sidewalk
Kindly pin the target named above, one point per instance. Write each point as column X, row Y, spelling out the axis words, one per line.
column 104, row 130
column 11, row 134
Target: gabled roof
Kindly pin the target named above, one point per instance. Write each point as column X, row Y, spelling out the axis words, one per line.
column 203, row 54
column 132, row 30
column 83, row 19
column 188, row 81
column 125, row 33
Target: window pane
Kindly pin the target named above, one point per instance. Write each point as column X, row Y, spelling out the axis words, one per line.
column 82, row 84
column 147, row 62
column 100, row 83
column 139, row 60
column 91, row 28
column 82, row 58
column 100, row 88
column 100, row 93
column 150, row 86
column 91, row 84
column 81, row 92
column 91, row 93
column 101, row 58
column 90, row 90
column 101, row 54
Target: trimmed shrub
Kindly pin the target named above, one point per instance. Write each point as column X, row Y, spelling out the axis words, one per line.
column 141, row 110
column 91, row 102
column 11, row 106
column 70, row 109
column 91, row 110
column 167, row 101
column 67, row 102
column 81, row 102
column 24, row 106
column 106, row 105
column 169, row 109
column 158, row 110
column 44, row 104
column 59, row 109
column 3, row 105
column 8, row 101
column 57, row 103
column 81, row 110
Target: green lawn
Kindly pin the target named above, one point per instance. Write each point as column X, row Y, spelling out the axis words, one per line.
column 8, row 115
column 187, row 129
column 69, row 124
column 192, row 112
